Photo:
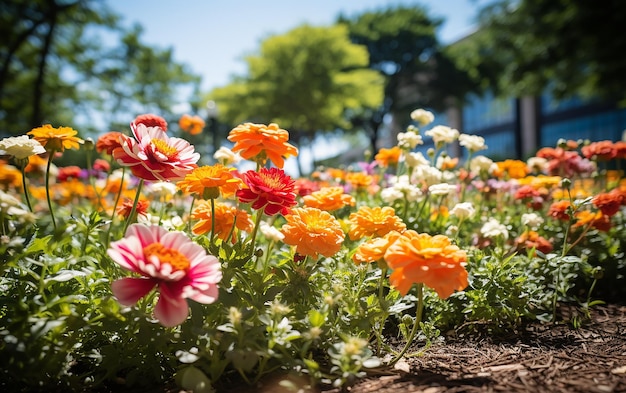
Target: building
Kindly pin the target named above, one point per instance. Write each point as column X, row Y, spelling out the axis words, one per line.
column 518, row 127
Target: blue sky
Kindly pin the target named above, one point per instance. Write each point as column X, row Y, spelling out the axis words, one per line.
column 213, row 36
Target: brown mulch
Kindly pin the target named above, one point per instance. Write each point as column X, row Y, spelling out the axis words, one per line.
column 539, row 358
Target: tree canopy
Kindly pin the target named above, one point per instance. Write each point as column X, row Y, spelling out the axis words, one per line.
column 72, row 63
column 308, row 80
column 571, row 47
column 403, row 46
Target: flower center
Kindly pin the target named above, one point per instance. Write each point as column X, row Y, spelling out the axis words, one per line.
column 273, row 182
column 167, row 255
column 163, row 148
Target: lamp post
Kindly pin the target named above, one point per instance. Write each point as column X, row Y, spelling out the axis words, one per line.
column 212, row 124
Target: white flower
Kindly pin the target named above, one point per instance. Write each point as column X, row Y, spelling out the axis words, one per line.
column 163, row 188
column 480, row 163
column 533, row 220
column 408, row 140
column 538, row 164
column 442, row 189
column 226, row 156
column 270, row 232
column 413, row 160
column 21, row 147
column 463, row 210
column 391, row 194
column 401, row 188
column 472, row 142
column 428, row 174
column 443, row 134
column 422, row 116
column 492, row 228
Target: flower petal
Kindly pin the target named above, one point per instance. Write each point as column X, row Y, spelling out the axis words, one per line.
column 129, row 290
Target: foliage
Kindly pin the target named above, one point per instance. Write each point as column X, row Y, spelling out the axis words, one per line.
column 403, row 47
column 56, row 66
column 306, row 80
column 510, row 239
column 568, row 46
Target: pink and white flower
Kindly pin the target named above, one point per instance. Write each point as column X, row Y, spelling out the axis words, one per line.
column 152, row 155
column 170, row 262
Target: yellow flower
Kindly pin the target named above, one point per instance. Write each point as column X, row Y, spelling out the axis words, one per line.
column 374, row 221
column 208, row 182
column 328, row 199
column 431, row 260
column 313, row 231
column 56, row 139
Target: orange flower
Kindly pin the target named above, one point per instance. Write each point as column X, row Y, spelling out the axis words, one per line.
column 191, row 124
column 596, row 220
column 313, row 231
column 126, row 207
column 262, row 142
column 329, row 199
column 10, row 175
column 532, row 239
column 226, row 216
column 431, row 260
column 108, row 142
column 388, row 157
column 36, row 164
column 374, row 221
column 373, row 250
column 56, row 139
column 448, row 163
column 359, row 180
column 608, row 202
column 208, row 182
column 560, row 210
column 516, row 169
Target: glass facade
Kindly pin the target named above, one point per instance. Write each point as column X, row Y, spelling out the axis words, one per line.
column 594, row 127
column 482, row 112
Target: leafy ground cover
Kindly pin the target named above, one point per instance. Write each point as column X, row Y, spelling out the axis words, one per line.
column 146, row 271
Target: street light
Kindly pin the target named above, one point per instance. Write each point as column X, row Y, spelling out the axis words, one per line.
column 212, row 113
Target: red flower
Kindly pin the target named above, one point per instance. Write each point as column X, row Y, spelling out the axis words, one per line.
column 269, row 189
column 602, row 150
column 608, row 202
column 68, row 172
column 560, row 210
column 150, row 120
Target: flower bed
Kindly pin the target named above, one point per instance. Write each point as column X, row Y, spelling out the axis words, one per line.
column 147, row 268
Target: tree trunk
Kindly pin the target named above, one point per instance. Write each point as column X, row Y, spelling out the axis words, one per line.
column 37, row 116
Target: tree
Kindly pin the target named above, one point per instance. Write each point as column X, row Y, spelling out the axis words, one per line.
column 571, row 47
column 309, row 81
column 56, row 68
column 403, row 46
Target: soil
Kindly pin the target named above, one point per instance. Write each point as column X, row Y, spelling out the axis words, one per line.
column 556, row 357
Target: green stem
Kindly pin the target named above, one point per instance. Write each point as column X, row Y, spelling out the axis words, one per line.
column 50, row 155
column 133, row 211
column 117, row 201
column 418, row 321
column 193, row 201
column 212, row 239
column 25, row 186
column 259, row 215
